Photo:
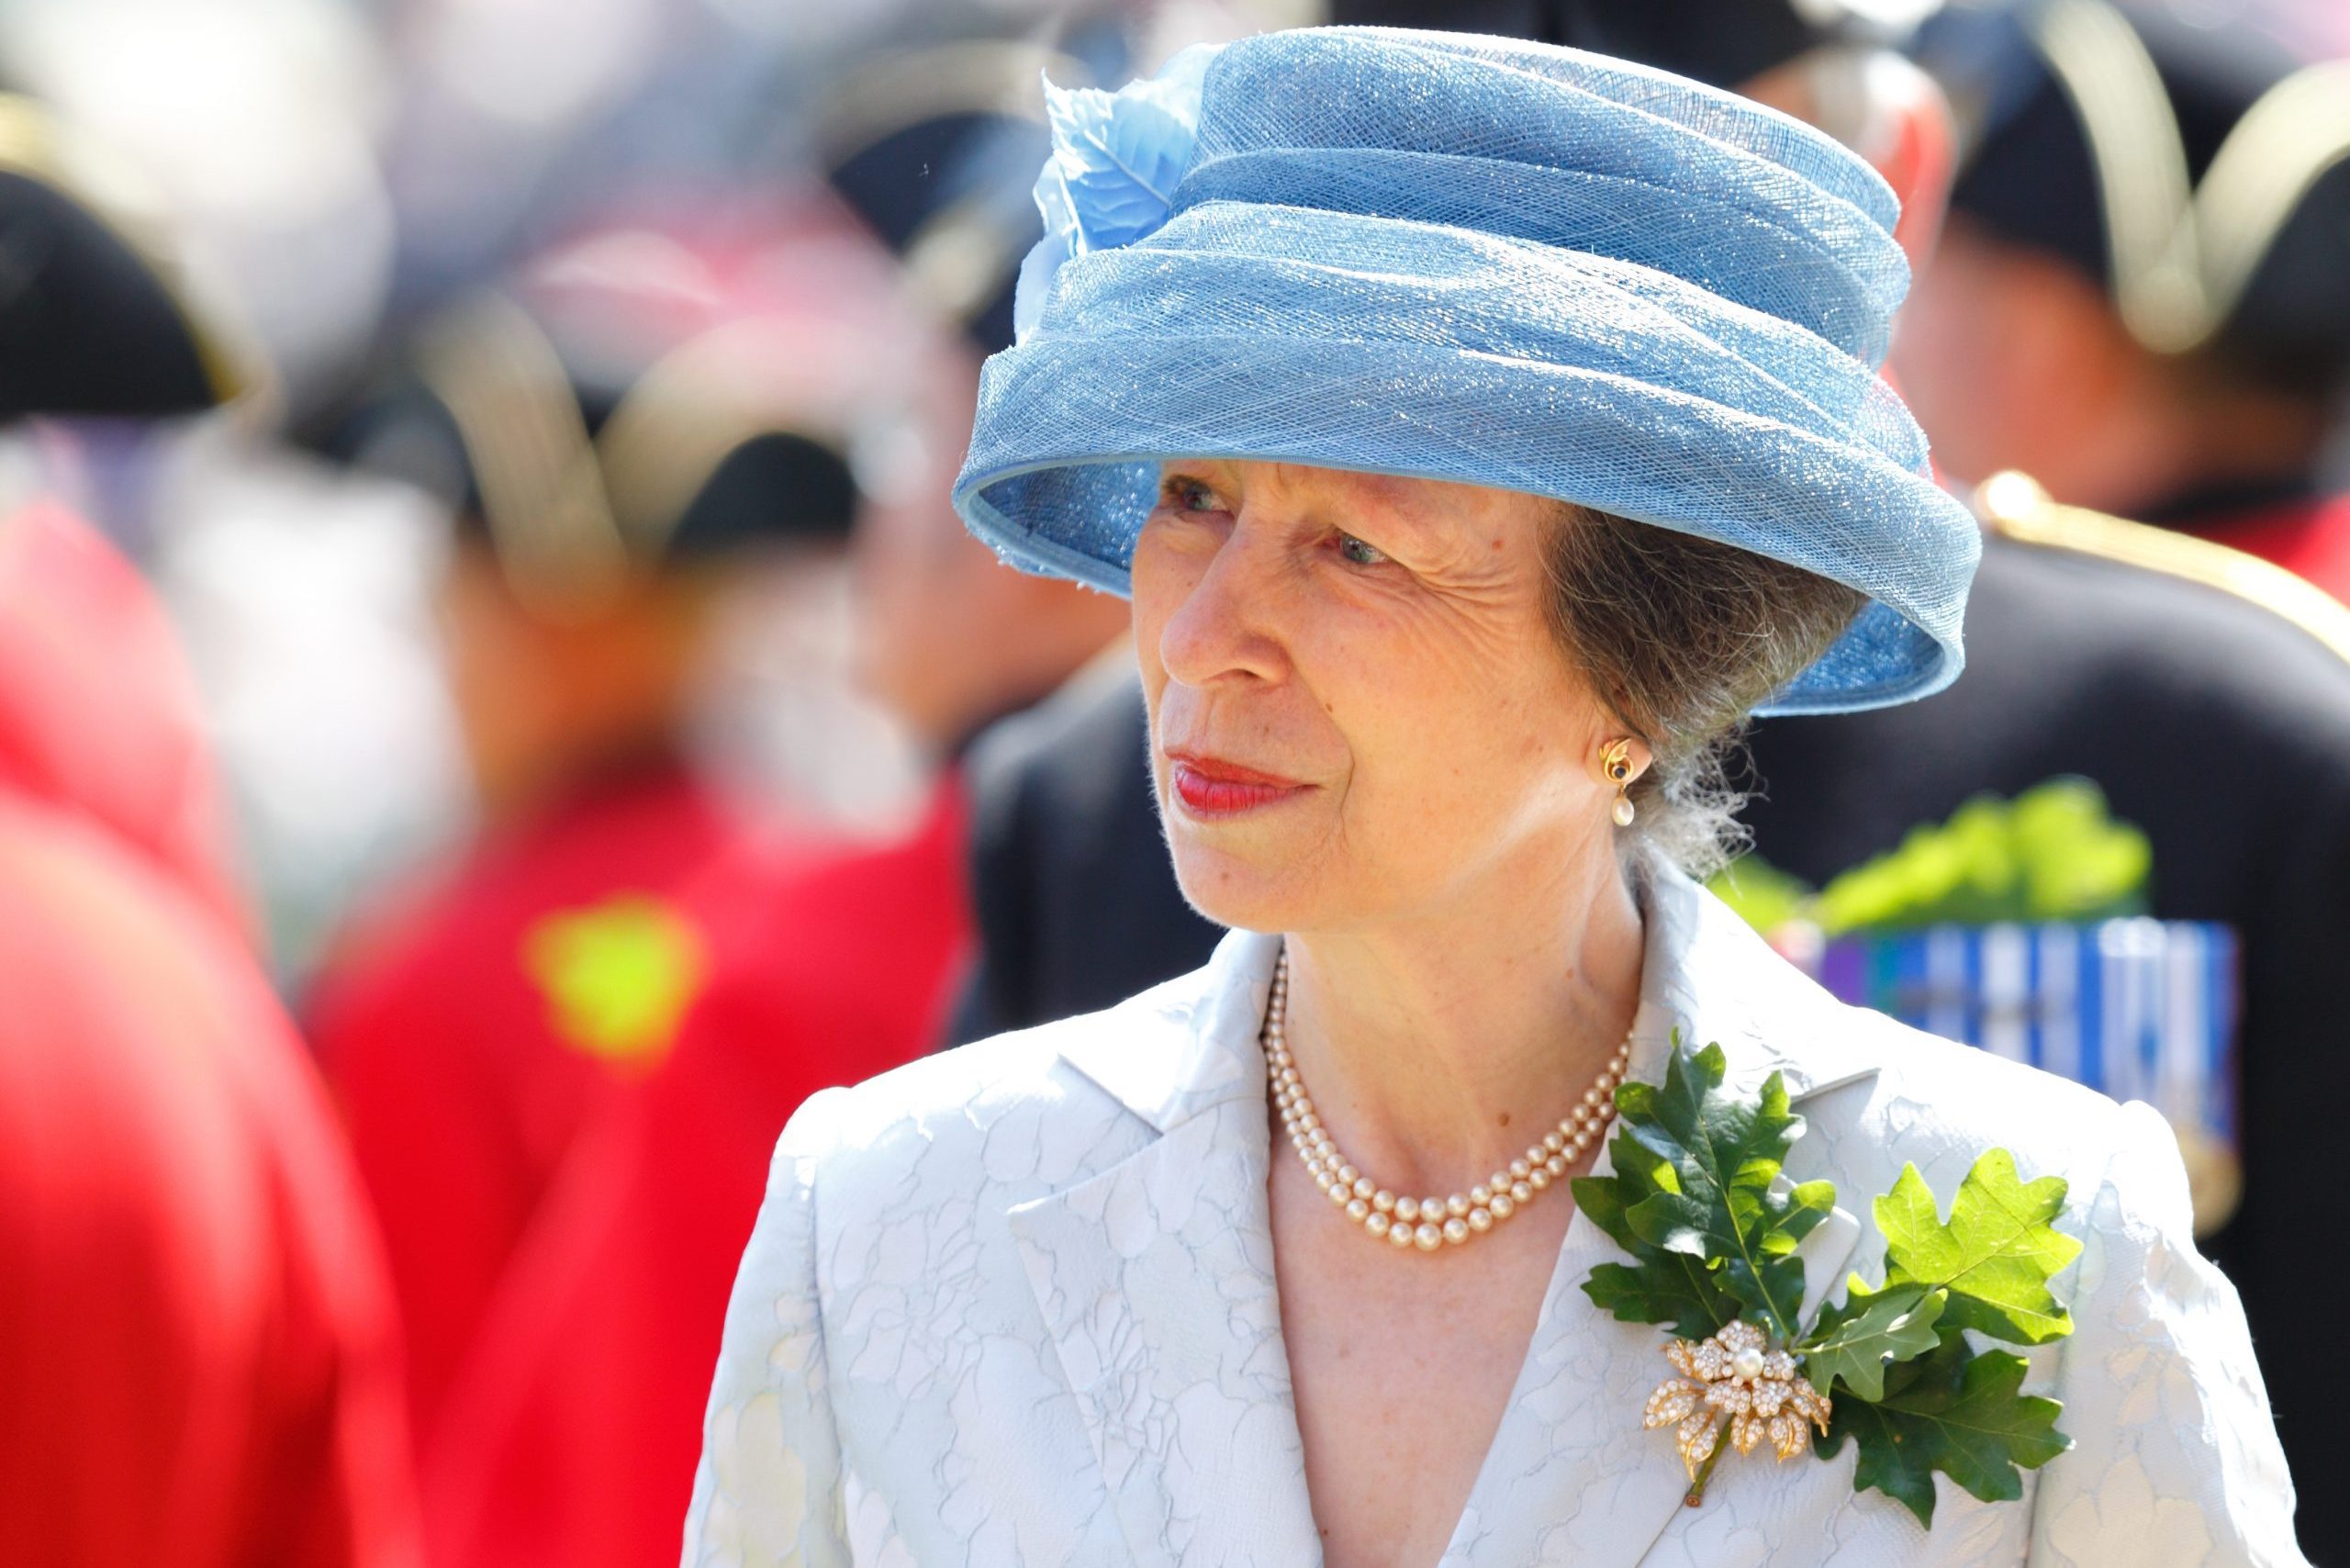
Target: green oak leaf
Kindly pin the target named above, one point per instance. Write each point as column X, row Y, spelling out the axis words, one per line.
column 1955, row 1411
column 1724, row 1153
column 1669, row 1288
column 1682, row 1292
column 1603, row 1199
column 1996, row 1255
column 1644, row 1171
column 1855, row 1340
column 1674, row 1289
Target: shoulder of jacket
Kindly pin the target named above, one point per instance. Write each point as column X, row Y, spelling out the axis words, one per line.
column 1941, row 1105
column 958, row 1116
column 2013, row 506
column 1930, row 1067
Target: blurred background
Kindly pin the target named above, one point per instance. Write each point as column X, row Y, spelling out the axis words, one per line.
column 326, row 177
column 495, row 706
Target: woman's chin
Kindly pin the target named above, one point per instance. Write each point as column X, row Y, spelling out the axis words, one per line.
column 1246, row 885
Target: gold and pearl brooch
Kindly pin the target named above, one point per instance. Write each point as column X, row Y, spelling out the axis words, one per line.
column 1734, row 1380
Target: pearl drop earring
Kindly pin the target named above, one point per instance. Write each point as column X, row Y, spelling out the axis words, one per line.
column 1616, row 762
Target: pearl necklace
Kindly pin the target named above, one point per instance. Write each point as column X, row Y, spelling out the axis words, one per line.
column 1427, row 1223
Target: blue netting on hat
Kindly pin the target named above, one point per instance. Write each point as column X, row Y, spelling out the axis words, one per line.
column 1469, row 259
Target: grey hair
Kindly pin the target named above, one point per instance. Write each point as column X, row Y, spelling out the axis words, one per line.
column 1682, row 637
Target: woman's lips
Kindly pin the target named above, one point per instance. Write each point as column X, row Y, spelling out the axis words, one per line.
column 1210, row 787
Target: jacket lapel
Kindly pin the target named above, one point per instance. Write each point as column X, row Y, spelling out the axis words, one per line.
column 1155, row 1282
column 1154, row 1277
column 1574, row 1478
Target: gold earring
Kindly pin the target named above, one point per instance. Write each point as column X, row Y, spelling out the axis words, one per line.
column 1616, row 762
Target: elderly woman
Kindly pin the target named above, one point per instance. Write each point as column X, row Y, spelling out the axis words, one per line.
column 1482, row 430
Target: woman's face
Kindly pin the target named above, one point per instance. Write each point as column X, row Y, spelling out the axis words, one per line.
column 1359, row 712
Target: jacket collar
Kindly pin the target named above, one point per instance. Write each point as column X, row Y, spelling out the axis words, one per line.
column 1154, row 1278
column 1709, row 975
column 1190, row 1044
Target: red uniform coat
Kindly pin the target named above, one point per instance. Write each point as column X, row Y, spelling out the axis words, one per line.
column 2308, row 537
column 474, row 1028
column 198, row 1359
column 98, row 713
column 582, row 1423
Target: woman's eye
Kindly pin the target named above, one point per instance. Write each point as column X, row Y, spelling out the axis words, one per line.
column 1188, row 495
column 1360, row 553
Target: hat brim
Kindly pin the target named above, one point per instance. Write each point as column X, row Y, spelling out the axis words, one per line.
column 1065, row 490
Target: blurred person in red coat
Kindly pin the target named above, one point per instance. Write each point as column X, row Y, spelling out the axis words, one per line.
column 576, row 1442
column 94, row 333
column 646, row 418
column 2139, row 296
column 573, row 1440
column 197, row 1340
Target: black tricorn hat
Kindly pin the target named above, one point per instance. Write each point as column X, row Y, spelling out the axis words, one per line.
column 936, row 150
column 1725, row 42
column 88, row 324
column 574, row 474
column 2201, row 173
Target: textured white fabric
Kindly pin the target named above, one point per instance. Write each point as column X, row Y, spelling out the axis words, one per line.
column 1015, row 1305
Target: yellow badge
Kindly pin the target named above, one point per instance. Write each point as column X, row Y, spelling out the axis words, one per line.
column 617, row 976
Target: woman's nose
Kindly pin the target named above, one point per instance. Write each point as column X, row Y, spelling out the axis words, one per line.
column 1226, row 627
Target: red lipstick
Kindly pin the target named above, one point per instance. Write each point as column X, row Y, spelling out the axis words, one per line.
column 1211, row 787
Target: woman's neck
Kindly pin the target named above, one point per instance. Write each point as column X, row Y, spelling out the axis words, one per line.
column 1435, row 1048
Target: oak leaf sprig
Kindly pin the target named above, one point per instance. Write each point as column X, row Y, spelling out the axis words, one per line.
column 1699, row 1202
column 1695, row 1200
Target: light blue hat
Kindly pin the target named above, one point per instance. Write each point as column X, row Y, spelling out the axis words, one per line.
column 1470, row 259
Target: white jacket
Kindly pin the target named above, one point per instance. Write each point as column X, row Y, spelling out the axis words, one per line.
column 1015, row 1305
